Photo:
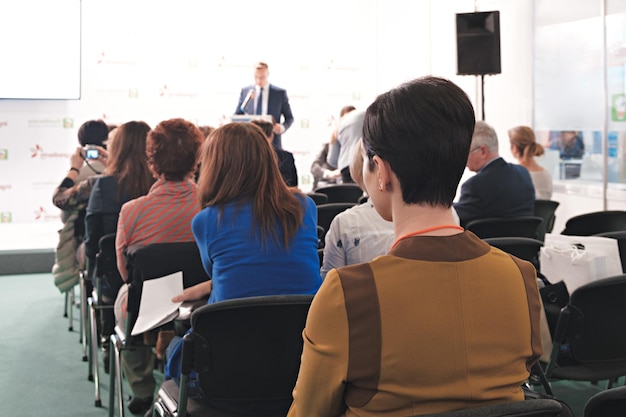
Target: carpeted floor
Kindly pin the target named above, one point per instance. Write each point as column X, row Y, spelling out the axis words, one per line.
column 41, row 367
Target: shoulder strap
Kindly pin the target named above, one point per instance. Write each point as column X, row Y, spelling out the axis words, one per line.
column 365, row 334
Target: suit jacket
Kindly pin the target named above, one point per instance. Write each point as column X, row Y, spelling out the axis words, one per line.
column 277, row 106
column 287, row 167
column 499, row 189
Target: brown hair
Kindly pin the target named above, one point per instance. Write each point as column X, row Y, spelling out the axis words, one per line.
column 523, row 138
column 238, row 165
column 265, row 126
column 206, row 130
column 172, row 149
column 128, row 161
column 261, row 65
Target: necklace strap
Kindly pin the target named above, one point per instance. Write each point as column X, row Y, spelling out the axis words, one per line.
column 427, row 230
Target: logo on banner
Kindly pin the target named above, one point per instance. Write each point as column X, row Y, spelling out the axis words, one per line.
column 168, row 92
column 5, row 187
column 4, row 123
column 4, row 154
column 38, row 152
column 42, row 215
column 66, row 122
column 618, row 108
column 103, row 59
column 6, row 217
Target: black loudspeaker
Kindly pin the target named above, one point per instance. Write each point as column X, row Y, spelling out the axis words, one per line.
column 478, row 43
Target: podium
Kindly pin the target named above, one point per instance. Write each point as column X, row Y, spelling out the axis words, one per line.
column 250, row 117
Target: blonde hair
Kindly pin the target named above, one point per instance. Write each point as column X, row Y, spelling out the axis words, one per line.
column 523, row 138
column 356, row 164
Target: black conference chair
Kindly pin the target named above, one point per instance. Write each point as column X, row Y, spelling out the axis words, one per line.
column 246, row 353
column 144, row 263
column 589, row 343
column 319, row 198
column 526, row 408
column 327, row 212
column 100, row 304
column 342, row 193
column 620, row 236
column 546, row 210
column 596, row 222
column 607, row 403
column 523, row 226
column 522, row 247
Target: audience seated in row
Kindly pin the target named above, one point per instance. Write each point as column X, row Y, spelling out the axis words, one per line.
column 348, row 134
column 358, row 234
column 499, row 189
column 256, row 236
column 321, row 170
column 286, row 163
column 125, row 177
column 444, row 321
column 72, row 203
column 525, row 148
column 163, row 215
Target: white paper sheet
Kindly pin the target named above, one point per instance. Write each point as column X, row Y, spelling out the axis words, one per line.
column 156, row 307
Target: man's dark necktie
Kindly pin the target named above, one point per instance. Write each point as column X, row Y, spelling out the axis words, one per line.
column 259, row 103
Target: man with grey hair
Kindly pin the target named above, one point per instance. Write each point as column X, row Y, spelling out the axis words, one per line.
column 499, row 189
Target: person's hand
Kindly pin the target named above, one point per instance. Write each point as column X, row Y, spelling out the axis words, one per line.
column 278, row 129
column 196, row 292
column 328, row 174
column 77, row 158
column 103, row 155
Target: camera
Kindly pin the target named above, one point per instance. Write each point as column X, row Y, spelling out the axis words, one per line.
column 91, row 152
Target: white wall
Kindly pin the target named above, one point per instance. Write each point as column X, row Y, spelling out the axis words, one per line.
column 154, row 60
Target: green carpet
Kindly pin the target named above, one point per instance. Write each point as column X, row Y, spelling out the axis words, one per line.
column 41, row 367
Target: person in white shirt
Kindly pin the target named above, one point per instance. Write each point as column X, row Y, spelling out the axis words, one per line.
column 358, row 234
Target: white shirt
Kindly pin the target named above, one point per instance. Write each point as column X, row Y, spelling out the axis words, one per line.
column 356, row 235
column 542, row 180
column 265, row 98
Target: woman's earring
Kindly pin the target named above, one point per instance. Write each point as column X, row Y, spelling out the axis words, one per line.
column 380, row 187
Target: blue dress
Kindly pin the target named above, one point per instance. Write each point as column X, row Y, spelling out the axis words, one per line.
column 241, row 265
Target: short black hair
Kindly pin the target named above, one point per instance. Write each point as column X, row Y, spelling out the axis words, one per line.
column 93, row 132
column 423, row 129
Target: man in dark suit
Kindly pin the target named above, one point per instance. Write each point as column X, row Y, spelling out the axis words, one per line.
column 264, row 98
column 286, row 163
column 498, row 189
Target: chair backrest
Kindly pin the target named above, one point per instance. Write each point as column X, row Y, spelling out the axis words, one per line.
column 620, row 236
column 319, row 198
column 546, row 210
column 610, row 402
column 528, row 408
column 595, row 222
column 157, row 260
column 342, row 193
column 522, row 247
column 327, row 212
column 106, row 274
column 523, row 226
column 597, row 324
column 247, row 352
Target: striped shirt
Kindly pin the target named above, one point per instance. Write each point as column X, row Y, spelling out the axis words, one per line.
column 163, row 215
